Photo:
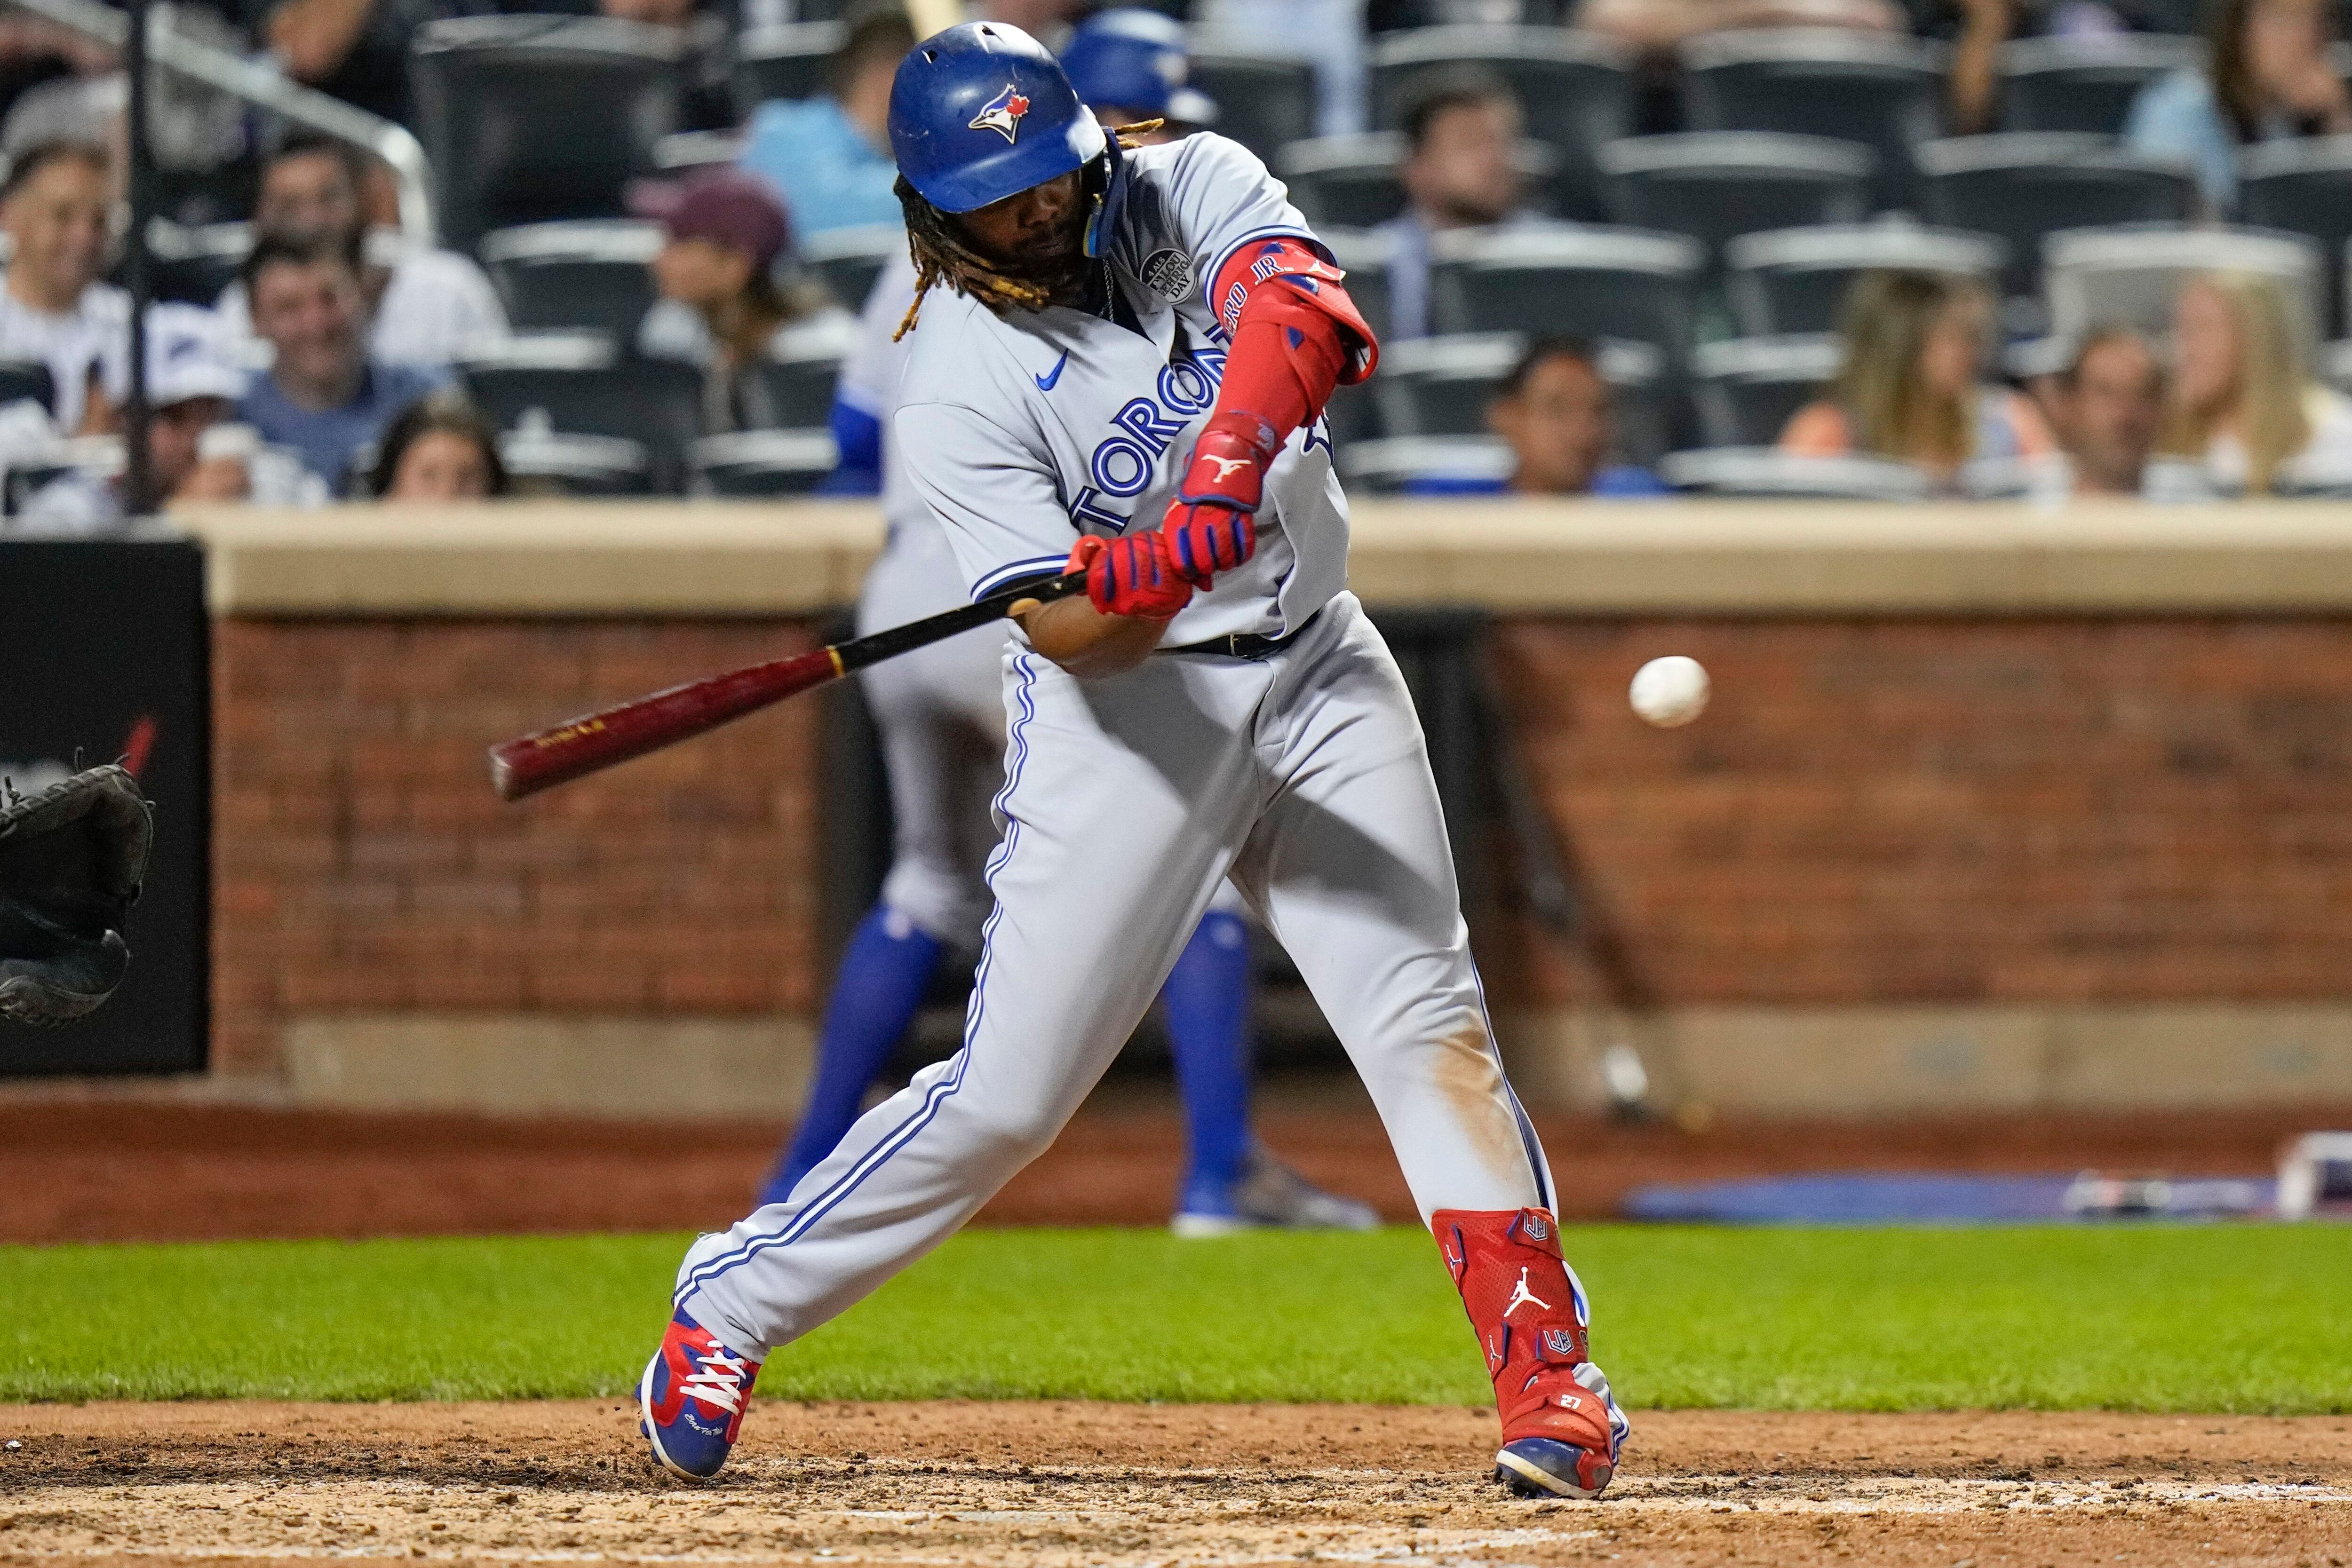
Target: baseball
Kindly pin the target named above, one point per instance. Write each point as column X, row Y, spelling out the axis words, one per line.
column 1670, row 691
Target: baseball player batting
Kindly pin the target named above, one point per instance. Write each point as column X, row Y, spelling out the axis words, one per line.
column 940, row 712
column 1119, row 363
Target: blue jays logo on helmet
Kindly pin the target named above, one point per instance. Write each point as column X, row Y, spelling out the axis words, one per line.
column 1003, row 114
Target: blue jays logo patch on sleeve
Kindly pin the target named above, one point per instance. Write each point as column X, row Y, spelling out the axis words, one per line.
column 1003, row 114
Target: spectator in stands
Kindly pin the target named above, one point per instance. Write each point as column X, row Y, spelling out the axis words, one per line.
column 1907, row 387
column 428, row 306
column 36, row 52
column 706, row 55
column 2106, row 405
column 191, row 387
column 356, row 50
column 441, row 448
column 322, row 394
column 2243, row 407
column 1557, row 412
column 2268, row 76
column 1130, row 65
column 1977, row 29
column 1328, row 32
column 1462, row 131
column 1657, row 27
column 722, row 304
column 830, row 155
column 55, row 209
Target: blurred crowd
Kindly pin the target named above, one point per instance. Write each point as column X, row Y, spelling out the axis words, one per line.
column 1615, row 247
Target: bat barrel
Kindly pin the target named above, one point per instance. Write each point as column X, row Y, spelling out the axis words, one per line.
column 592, row 741
column 596, row 740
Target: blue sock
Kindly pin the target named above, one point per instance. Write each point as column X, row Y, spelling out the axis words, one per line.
column 1208, row 998
column 884, row 974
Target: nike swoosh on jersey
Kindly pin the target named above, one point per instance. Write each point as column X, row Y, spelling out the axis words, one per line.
column 1045, row 383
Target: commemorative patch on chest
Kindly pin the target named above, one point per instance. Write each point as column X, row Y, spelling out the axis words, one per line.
column 1169, row 274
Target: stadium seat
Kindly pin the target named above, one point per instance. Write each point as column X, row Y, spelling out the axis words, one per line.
column 782, row 60
column 1385, row 468
column 1354, row 182
column 582, row 384
column 1265, row 102
column 1585, row 282
column 532, row 118
column 2305, row 186
column 848, row 260
column 1795, row 280
column 1364, row 256
column 1352, row 414
column 22, row 379
column 1441, row 386
column 685, row 153
column 2021, row 185
column 2171, row 19
column 193, row 263
column 1351, row 180
column 1717, row 185
column 763, row 462
column 590, row 274
column 800, row 388
column 1576, row 89
column 1881, row 90
column 584, row 466
column 2336, row 365
column 2084, row 84
column 2129, row 275
column 1747, row 389
column 1762, row 472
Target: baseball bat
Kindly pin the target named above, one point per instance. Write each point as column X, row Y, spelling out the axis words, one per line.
column 930, row 17
column 585, row 744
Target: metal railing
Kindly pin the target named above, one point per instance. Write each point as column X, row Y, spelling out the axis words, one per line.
column 264, row 87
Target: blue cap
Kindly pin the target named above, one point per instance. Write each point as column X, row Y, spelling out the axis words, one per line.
column 1136, row 60
column 980, row 112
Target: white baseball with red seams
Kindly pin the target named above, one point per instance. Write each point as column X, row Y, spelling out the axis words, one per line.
column 1128, row 799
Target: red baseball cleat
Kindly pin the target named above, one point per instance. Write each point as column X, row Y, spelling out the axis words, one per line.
column 1561, row 1430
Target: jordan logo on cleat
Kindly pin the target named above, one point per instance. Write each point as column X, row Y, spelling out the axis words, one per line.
column 1521, row 1296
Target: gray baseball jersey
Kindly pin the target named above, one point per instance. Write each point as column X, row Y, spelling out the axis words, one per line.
column 1024, row 431
column 1129, row 800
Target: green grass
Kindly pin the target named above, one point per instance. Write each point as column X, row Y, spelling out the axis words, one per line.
column 2156, row 1318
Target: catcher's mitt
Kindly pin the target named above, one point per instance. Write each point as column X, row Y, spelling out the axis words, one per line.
column 71, row 860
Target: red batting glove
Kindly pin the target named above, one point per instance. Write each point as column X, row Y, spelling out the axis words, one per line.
column 1209, row 524
column 1130, row 576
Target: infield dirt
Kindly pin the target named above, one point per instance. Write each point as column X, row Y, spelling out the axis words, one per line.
column 1057, row 1484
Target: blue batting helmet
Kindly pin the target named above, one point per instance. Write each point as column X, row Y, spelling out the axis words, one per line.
column 1136, row 60
column 980, row 112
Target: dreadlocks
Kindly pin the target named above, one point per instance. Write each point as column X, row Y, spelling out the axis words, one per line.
column 941, row 256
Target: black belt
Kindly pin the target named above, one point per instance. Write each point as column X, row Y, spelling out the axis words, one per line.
column 1244, row 644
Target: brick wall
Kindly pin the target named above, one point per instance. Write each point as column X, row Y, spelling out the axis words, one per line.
column 1925, row 811
column 362, row 863
column 1870, row 812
